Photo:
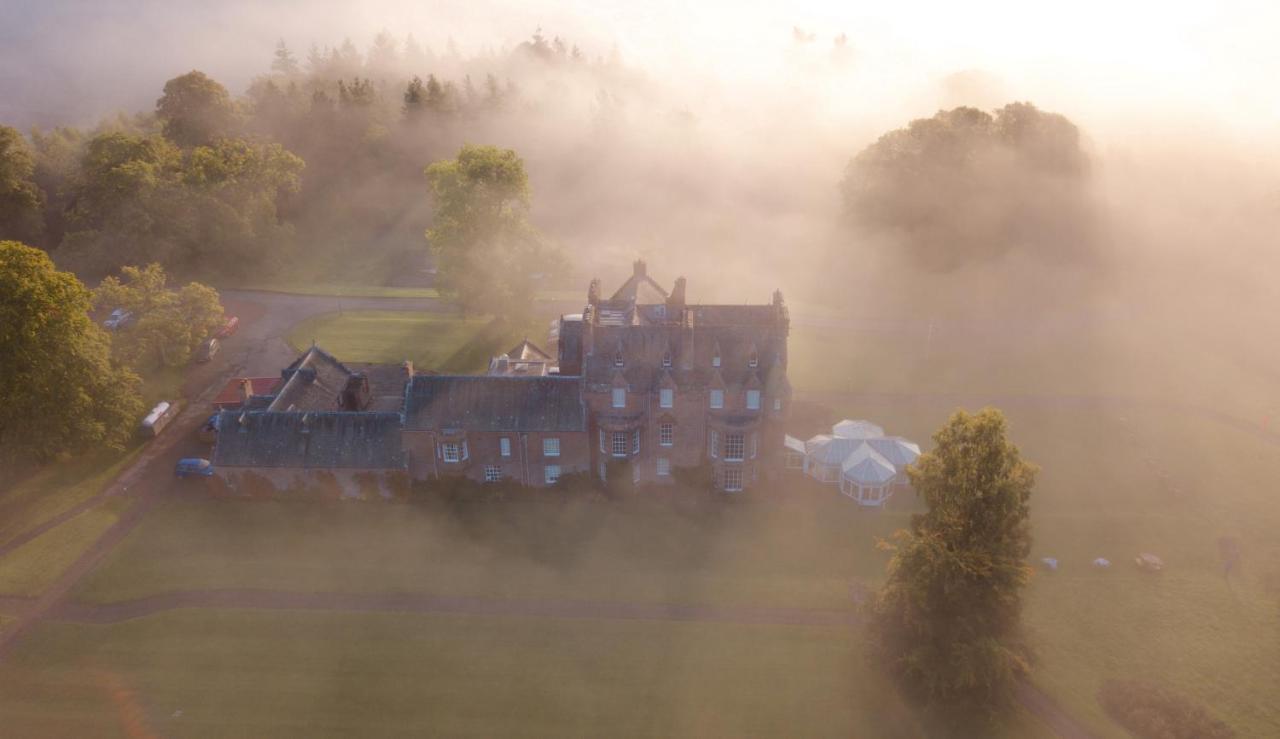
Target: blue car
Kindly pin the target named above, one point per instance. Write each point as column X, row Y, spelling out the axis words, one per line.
column 193, row 466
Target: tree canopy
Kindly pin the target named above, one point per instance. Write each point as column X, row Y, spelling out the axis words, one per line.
column 947, row 621
column 20, row 199
column 966, row 186
column 140, row 199
column 169, row 324
column 486, row 251
column 61, row 393
column 195, row 110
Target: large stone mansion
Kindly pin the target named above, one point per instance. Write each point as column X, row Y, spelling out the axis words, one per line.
column 639, row 384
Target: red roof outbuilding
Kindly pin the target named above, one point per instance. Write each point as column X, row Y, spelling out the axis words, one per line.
column 230, row 397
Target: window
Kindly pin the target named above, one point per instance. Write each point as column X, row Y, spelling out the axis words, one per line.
column 666, row 359
column 635, row 441
column 619, row 443
column 753, row 400
column 777, row 404
column 504, row 446
column 754, row 361
column 551, row 447
column 755, row 445
column 660, row 311
column 733, row 446
column 619, row 397
column 664, row 467
column 551, row 474
column 717, row 398
column 666, row 397
column 715, row 360
column 617, row 359
column 667, row 434
column 452, row 452
column 602, row 447
column 713, row 443
column 492, row 473
column 732, row 479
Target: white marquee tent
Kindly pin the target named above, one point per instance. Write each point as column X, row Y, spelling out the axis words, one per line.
column 860, row 459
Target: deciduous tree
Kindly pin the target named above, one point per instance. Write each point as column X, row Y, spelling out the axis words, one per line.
column 21, row 201
column 947, row 621
column 195, row 109
column 966, row 186
column 169, row 324
column 61, row 391
column 486, row 250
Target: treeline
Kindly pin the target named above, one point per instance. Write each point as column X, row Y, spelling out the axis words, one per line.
column 318, row 157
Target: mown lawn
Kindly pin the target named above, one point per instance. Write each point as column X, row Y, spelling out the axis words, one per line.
column 1115, row 483
column 440, row 342
column 243, row 673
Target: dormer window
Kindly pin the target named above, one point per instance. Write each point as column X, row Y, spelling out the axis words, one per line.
column 617, row 359
column 666, row 359
column 754, row 361
column 715, row 360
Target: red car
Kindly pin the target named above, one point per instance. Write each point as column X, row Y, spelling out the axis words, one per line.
column 230, row 327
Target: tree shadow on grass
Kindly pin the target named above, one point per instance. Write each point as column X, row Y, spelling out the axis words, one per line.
column 475, row 353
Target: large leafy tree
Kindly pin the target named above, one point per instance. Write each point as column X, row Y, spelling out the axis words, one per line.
column 20, row 199
column 486, row 250
column 214, row 208
column 61, row 392
column 170, row 323
column 947, row 620
column 196, row 110
column 966, row 186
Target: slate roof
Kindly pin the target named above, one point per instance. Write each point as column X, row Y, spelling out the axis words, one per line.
column 312, row 383
column 494, row 403
column 386, row 385
column 640, row 288
column 309, row 440
column 527, row 351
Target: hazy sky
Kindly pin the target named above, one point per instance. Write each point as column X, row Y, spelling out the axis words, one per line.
column 1205, row 64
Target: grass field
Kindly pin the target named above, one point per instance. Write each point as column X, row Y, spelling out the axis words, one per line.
column 441, row 342
column 238, row 673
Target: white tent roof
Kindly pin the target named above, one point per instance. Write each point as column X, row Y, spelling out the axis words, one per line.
column 896, row 449
column 832, row 451
column 812, row 445
column 793, row 444
column 849, row 429
column 866, row 466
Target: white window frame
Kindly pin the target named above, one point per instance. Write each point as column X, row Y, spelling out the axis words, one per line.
column 455, row 449
column 717, row 398
column 603, row 448
column 492, row 473
column 619, row 397
column 551, row 474
column 735, row 447
column 504, row 446
column 635, row 441
column 663, row 467
column 730, row 475
column 777, row 405
column 618, row 445
column 551, row 446
column 666, row 434
column 713, row 443
column 755, row 444
column 666, row 359
column 715, row 361
column 666, row 397
column 753, row 400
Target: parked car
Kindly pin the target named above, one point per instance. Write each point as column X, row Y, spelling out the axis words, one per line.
column 228, row 328
column 208, row 350
column 118, row 319
column 193, row 466
column 158, row 418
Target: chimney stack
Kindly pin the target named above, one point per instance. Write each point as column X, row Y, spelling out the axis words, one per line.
column 638, row 267
column 246, row 392
column 407, row 368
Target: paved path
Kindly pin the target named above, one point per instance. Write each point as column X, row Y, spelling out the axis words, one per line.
column 276, row 600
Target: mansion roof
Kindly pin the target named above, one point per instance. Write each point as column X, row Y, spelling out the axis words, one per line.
column 494, row 403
